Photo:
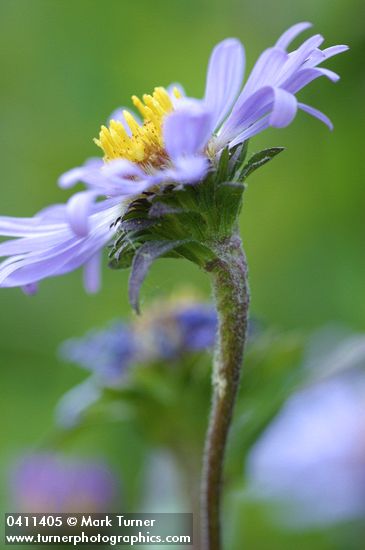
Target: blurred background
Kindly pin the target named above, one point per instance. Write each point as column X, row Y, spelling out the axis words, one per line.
column 65, row 66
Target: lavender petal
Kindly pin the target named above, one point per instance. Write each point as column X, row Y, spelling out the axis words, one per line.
column 92, row 271
column 186, row 131
column 317, row 114
column 224, row 78
column 78, row 211
column 288, row 36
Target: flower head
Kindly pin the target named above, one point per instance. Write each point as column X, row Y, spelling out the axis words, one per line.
column 168, row 331
column 53, row 483
column 311, row 459
column 172, row 329
column 108, row 353
column 178, row 142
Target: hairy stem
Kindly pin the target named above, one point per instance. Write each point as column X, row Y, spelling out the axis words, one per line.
column 229, row 282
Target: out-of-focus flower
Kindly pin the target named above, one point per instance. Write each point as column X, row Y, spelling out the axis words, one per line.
column 167, row 331
column 173, row 328
column 310, row 462
column 198, row 326
column 51, row 483
column 178, row 142
column 107, row 353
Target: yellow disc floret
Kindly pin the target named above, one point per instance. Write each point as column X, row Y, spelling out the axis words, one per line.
column 144, row 143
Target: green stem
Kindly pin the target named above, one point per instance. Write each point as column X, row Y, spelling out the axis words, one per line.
column 229, row 282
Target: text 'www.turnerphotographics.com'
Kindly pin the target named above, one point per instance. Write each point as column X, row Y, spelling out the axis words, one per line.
column 99, row 529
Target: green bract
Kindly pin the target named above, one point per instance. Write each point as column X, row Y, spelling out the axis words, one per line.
column 187, row 221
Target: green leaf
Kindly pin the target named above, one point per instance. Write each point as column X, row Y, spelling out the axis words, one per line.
column 258, row 160
column 237, row 158
column 229, row 202
column 222, row 169
column 123, row 260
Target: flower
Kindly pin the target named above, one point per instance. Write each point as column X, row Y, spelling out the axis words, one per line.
column 197, row 325
column 48, row 481
column 178, row 141
column 108, row 353
column 310, row 462
column 47, row 245
column 168, row 330
column 173, row 329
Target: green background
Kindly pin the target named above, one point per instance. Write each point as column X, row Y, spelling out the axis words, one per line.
column 65, row 65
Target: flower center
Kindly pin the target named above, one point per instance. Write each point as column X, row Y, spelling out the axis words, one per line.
column 143, row 143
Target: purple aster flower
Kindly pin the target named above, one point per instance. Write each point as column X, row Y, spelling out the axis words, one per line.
column 171, row 329
column 167, row 331
column 310, row 462
column 176, row 141
column 107, row 353
column 198, row 326
column 51, row 483
column 174, row 333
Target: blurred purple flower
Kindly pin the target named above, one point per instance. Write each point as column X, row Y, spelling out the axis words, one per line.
column 310, row 462
column 107, row 353
column 197, row 326
column 51, row 483
column 177, row 142
column 177, row 330
column 168, row 333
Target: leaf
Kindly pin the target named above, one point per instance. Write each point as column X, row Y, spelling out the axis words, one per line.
column 229, row 202
column 223, row 165
column 137, row 209
column 123, row 249
column 122, row 261
column 137, row 224
column 159, row 209
column 258, row 160
column 238, row 157
column 143, row 259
